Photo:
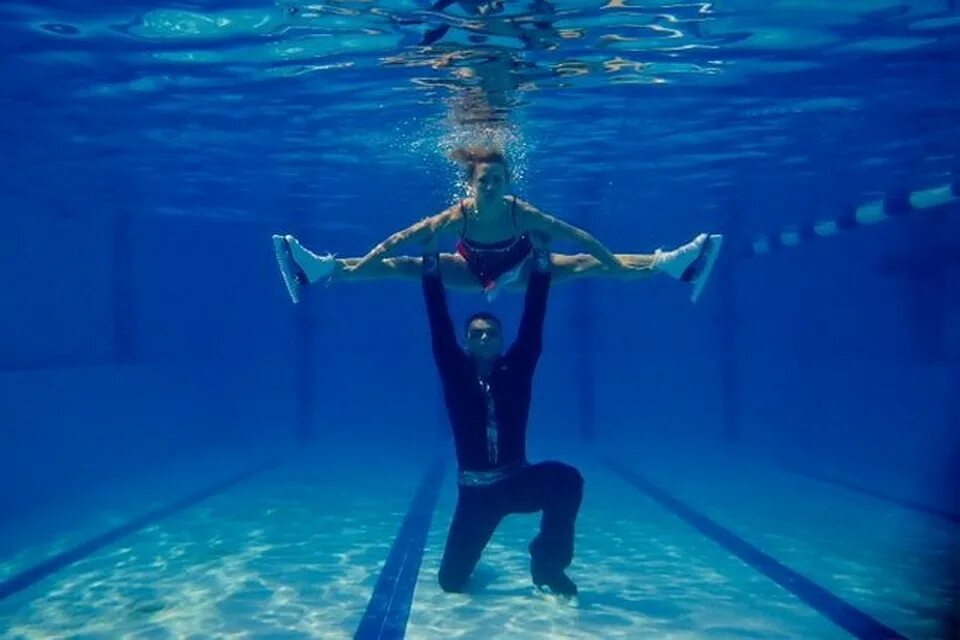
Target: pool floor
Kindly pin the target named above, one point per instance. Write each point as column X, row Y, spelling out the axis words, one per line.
column 711, row 548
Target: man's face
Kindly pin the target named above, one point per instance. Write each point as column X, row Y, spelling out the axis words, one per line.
column 484, row 339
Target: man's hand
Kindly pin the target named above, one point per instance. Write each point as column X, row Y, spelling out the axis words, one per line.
column 540, row 239
column 541, row 251
column 431, row 254
column 431, row 242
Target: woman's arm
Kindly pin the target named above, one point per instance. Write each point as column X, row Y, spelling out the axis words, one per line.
column 423, row 231
column 532, row 219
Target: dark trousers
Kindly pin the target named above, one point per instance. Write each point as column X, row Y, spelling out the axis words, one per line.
column 552, row 487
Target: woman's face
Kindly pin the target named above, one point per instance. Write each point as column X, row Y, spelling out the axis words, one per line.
column 489, row 180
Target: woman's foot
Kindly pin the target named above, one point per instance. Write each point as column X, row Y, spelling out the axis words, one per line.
column 692, row 262
column 299, row 266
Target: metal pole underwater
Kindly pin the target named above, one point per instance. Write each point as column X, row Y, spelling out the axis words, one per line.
column 585, row 330
column 303, row 356
column 583, row 319
column 123, row 292
column 728, row 324
column 304, row 371
column 924, row 281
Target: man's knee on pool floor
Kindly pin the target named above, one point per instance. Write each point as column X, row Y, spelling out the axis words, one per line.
column 565, row 475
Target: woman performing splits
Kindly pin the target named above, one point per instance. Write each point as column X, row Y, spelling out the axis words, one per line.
column 493, row 241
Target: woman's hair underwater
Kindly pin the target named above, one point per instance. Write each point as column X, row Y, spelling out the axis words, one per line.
column 470, row 157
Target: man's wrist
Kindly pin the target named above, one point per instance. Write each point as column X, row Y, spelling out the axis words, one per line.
column 431, row 264
column 541, row 260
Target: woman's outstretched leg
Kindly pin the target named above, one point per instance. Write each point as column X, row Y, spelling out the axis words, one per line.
column 582, row 264
column 301, row 267
column 453, row 268
column 691, row 263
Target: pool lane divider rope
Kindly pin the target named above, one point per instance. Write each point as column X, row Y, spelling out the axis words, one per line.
column 388, row 611
column 894, row 205
column 48, row 567
column 856, row 622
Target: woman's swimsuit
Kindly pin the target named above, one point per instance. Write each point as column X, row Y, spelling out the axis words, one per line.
column 490, row 260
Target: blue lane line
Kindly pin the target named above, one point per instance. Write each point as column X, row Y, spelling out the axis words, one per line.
column 873, row 493
column 843, row 614
column 389, row 607
column 34, row 574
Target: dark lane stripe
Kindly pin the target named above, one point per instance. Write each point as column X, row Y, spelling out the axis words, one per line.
column 845, row 615
column 389, row 607
column 34, row 574
column 873, row 493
